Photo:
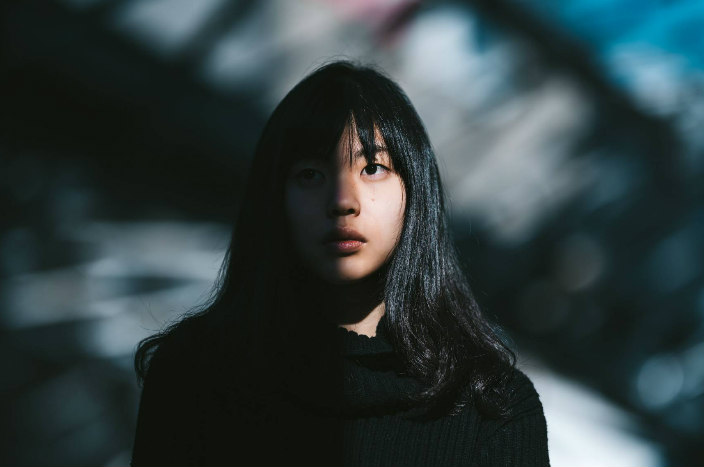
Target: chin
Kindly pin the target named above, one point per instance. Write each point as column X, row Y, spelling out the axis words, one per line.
column 339, row 277
column 345, row 273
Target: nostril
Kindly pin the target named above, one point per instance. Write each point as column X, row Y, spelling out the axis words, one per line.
column 343, row 206
column 343, row 211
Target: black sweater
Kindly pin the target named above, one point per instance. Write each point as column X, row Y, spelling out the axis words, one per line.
column 191, row 415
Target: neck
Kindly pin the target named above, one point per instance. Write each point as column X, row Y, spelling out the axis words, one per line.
column 367, row 325
column 356, row 306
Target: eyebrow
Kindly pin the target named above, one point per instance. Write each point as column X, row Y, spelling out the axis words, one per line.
column 360, row 152
column 357, row 155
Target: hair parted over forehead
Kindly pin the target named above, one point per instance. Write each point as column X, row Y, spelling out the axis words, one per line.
column 338, row 96
column 311, row 119
column 433, row 320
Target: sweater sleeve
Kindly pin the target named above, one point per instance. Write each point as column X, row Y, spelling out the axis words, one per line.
column 166, row 416
column 521, row 439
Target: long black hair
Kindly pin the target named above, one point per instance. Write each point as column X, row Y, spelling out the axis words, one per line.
column 433, row 320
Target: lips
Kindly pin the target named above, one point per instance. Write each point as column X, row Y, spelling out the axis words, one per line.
column 343, row 234
column 343, row 240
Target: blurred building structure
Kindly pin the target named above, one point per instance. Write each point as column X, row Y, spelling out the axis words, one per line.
column 571, row 143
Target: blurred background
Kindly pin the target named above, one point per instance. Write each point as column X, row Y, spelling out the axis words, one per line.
column 571, row 139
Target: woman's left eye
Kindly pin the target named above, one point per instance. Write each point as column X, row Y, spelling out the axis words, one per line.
column 374, row 169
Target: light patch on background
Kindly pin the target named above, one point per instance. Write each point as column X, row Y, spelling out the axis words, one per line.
column 242, row 53
column 693, row 365
column 271, row 52
column 584, row 429
column 653, row 77
column 660, row 380
column 311, row 34
column 149, row 248
column 131, row 319
column 125, row 253
column 441, row 55
column 525, row 176
column 164, row 25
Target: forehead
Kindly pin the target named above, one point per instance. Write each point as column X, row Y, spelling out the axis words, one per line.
column 348, row 149
column 351, row 148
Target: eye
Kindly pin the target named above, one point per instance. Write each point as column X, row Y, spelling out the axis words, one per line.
column 309, row 177
column 375, row 170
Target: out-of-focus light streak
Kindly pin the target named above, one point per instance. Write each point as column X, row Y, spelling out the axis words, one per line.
column 164, row 26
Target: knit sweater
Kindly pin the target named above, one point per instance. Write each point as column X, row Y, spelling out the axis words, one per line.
column 190, row 415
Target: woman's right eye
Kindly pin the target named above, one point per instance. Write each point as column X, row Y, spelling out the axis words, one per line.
column 309, row 177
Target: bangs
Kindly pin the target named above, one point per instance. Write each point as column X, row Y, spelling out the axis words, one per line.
column 331, row 107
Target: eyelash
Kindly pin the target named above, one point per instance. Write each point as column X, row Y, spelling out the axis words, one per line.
column 384, row 168
column 308, row 171
column 301, row 175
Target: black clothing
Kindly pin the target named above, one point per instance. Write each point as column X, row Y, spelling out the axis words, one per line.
column 190, row 414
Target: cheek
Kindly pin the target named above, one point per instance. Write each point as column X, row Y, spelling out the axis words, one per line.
column 389, row 215
column 301, row 213
column 298, row 206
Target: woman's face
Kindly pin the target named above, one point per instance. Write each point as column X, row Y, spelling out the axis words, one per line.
column 345, row 219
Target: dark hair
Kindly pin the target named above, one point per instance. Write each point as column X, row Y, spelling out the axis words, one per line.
column 433, row 320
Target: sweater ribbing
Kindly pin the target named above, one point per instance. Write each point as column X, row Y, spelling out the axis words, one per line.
column 189, row 417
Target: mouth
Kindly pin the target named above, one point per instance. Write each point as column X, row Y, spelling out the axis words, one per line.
column 344, row 240
column 344, row 246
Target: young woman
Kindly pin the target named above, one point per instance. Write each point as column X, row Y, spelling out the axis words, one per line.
column 342, row 330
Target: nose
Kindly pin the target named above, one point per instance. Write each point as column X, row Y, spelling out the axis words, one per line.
column 343, row 198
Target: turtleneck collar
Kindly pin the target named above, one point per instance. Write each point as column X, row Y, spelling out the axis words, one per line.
column 352, row 344
column 365, row 377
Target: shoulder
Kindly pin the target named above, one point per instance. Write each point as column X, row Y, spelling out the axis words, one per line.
column 522, row 395
column 183, row 351
column 172, row 397
column 520, row 437
column 520, row 401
